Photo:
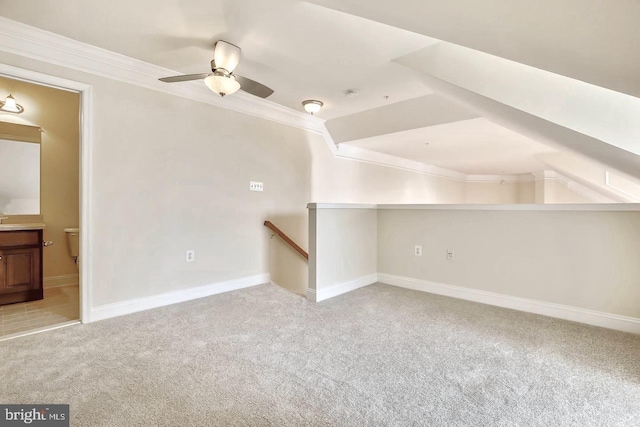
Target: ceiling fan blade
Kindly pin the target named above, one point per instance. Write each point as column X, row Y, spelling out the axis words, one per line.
column 253, row 87
column 184, row 78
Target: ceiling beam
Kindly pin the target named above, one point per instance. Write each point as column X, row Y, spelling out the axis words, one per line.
column 414, row 113
column 537, row 128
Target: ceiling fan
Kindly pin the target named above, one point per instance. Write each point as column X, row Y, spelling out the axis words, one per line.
column 222, row 80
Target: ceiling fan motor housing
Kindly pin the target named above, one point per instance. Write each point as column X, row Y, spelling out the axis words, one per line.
column 219, row 71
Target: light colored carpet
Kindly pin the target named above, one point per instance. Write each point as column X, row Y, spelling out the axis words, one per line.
column 377, row 356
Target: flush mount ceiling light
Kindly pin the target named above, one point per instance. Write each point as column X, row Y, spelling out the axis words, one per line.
column 10, row 105
column 312, row 106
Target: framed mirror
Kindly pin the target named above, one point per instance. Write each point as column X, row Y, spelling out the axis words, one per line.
column 19, row 171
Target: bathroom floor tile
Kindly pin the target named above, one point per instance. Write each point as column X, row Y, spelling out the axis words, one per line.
column 60, row 305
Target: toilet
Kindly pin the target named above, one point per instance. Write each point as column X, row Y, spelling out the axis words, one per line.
column 73, row 242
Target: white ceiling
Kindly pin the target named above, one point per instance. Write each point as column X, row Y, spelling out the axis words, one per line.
column 318, row 49
column 487, row 148
column 300, row 50
column 590, row 40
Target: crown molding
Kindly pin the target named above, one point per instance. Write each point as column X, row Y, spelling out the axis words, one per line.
column 352, row 152
column 375, row 157
column 35, row 43
column 589, row 191
column 546, row 174
column 526, row 177
column 24, row 40
column 613, row 180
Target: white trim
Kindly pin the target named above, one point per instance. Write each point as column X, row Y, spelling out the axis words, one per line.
column 24, row 40
column 580, row 207
column 328, row 139
column 63, row 280
column 526, row 177
column 351, row 152
column 591, row 191
column 86, row 144
column 340, row 206
column 317, row 295
column 574, row 314
column 543, row 174
column 86, row 204
column 346, row 151
column 154, row 301
column 609, row 176
column 588, row 193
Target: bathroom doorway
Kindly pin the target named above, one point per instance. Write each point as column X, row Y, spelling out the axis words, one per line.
column 57, row 109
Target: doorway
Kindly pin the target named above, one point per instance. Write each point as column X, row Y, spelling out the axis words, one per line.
column 64, row 206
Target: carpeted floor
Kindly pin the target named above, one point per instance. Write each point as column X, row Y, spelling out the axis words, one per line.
column 377, row 356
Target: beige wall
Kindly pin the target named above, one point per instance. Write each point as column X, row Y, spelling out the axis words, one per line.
column 561, row 193
column 343, row 248
column 184, row 172
column 171, row 174
column 491, row 193
column 608, row 180
column 553, row 191
column 338, row 180
column 581, row 259
column 57, row 113
column 527, row 192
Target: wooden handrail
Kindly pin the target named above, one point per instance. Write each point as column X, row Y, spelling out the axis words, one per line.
column 286, row 238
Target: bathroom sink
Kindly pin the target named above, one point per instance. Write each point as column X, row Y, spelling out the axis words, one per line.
column 17, row 227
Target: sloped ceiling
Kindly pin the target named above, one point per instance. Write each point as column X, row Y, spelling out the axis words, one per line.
column 495, row 84
column 590, row 40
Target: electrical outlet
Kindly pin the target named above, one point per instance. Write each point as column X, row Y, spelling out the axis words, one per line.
column 255, row 186
column 418, row 250
column 191, row 255
column 450, row 254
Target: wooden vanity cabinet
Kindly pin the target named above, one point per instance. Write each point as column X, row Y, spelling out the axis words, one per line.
column 20, row 266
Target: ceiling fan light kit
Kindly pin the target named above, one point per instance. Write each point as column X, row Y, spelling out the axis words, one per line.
column 312, row 106
column 221, row 84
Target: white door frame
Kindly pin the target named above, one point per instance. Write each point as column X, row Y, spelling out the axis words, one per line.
column 86, row 143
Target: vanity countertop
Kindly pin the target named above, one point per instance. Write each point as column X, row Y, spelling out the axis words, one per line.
column 18, row 227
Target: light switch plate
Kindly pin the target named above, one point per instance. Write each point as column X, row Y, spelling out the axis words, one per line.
column 255, row 186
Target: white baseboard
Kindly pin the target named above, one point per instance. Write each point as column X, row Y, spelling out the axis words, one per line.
column 341, row 288
column 575, row 314
column 140, row 304
column 56, row 281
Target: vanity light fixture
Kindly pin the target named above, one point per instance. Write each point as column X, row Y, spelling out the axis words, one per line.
column 312, row 106
column 10, row 105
